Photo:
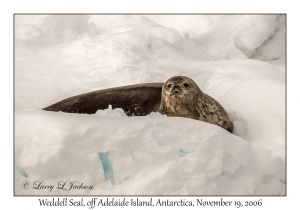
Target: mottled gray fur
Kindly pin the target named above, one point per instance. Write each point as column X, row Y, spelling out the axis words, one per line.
column 182, row 97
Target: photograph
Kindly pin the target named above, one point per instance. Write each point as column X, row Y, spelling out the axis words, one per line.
column 149, row 104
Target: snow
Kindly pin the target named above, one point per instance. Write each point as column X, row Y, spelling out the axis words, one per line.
column 234, row 36
column 109, row 112
column 238, row 60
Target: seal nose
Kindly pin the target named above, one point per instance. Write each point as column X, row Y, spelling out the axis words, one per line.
column 176, row 89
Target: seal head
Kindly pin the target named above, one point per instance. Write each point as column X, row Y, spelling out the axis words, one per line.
column 182, row 97
column 178, row 95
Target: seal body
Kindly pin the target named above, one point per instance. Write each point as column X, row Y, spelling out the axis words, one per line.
column 182, row 97
column 135, row 100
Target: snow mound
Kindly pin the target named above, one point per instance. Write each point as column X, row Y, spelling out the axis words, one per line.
column 109, row 112
column 234, row 36
column 155, row 114
column 149, row 156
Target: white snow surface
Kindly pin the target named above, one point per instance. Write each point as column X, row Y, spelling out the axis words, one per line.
column 239, row 60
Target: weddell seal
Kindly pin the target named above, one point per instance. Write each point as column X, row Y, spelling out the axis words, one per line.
column 178, row 96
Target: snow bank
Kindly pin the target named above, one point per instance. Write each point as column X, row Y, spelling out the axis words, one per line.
column 145, row 155
column 233, row 36
column 61, row 56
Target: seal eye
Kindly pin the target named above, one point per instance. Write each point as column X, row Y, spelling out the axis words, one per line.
column 185, row 84
column 169, row 85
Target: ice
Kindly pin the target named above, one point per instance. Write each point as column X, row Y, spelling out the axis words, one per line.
column 61, row 56
column 108, row 171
